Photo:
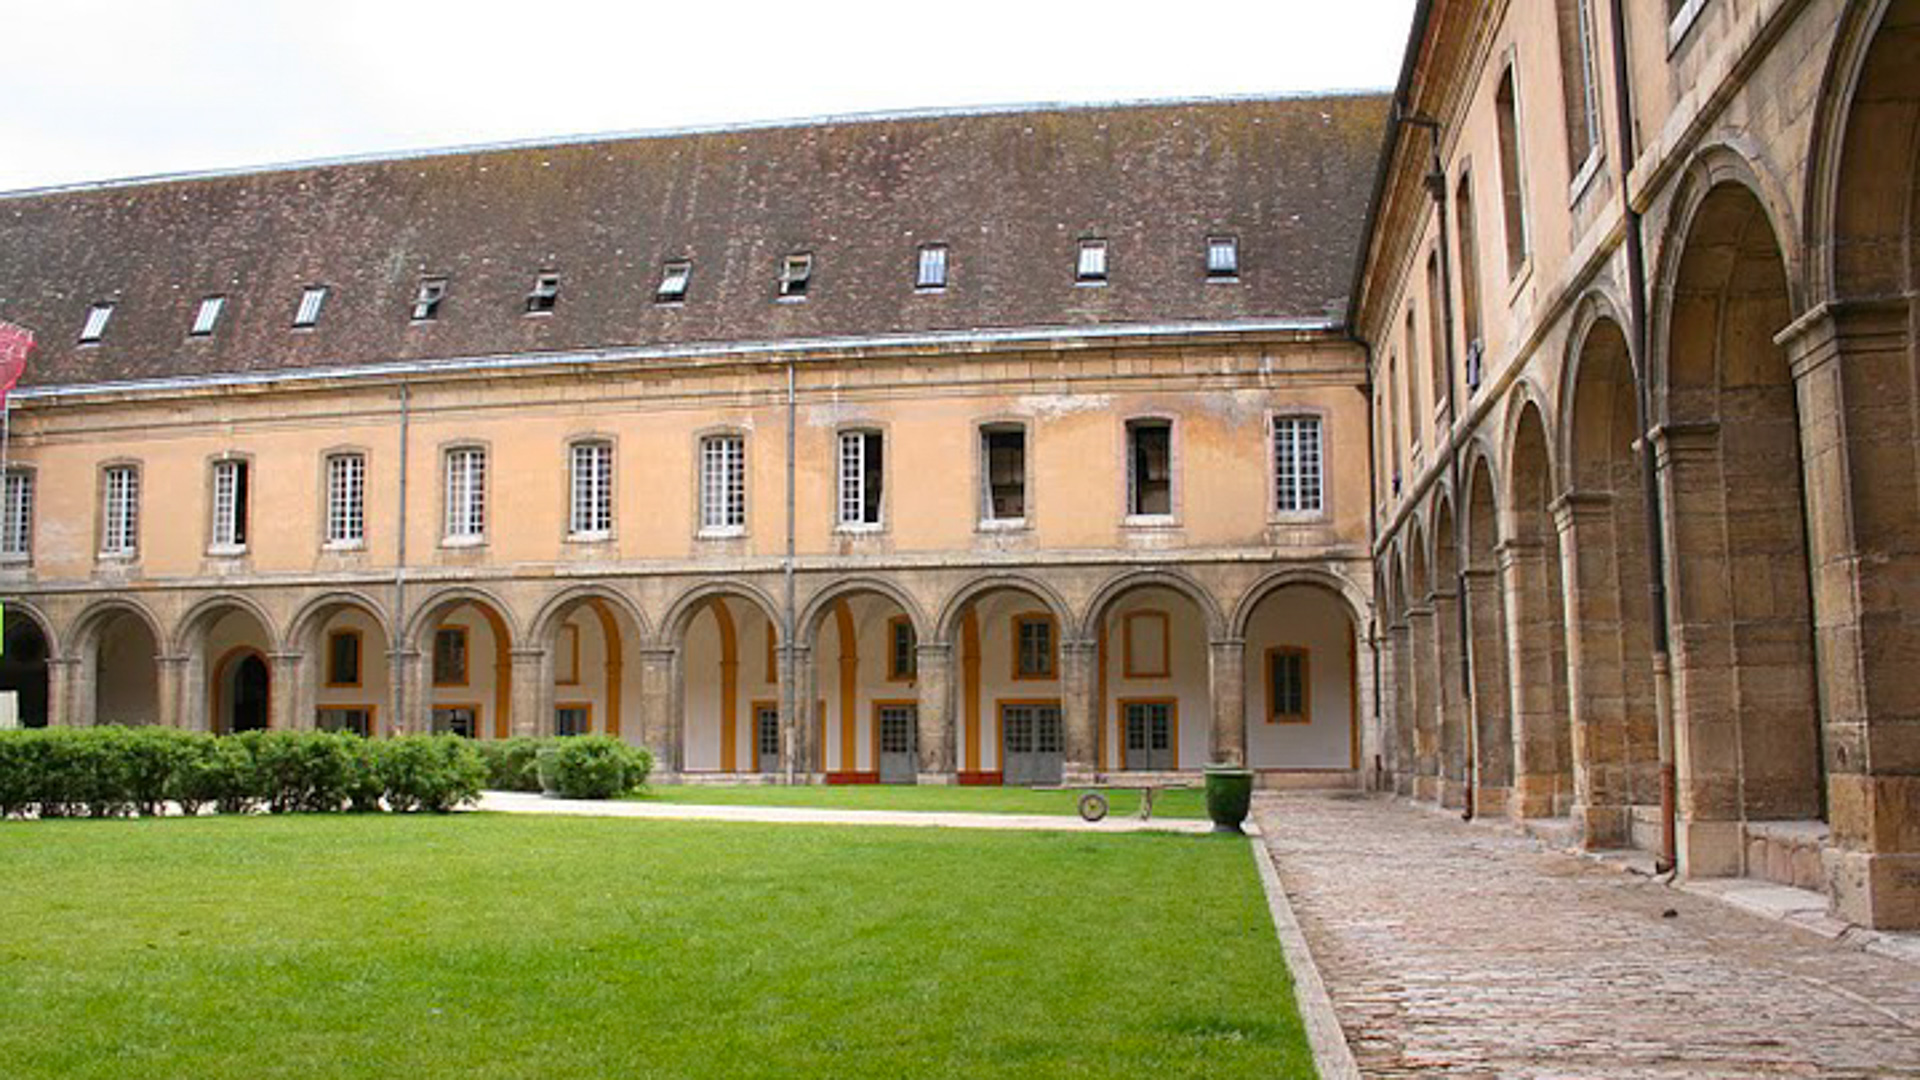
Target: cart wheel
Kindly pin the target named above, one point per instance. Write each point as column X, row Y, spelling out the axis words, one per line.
column 1093, row 806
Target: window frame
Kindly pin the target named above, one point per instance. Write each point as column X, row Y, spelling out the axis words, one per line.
column 987, row 521
column 796, row 276
column 937, row 256
column 1093, row 262
column 316, row 295
column 1680, row 22
column 544, row 297
column 130, row 552
column 674, row 271
column 429, row 296
column 372, row 712
column 868, row 435
column 1515, row 218
column 465, row 538
column 331, row 679
column 895, row 673
column 465, row 636
column 29, row 483
column 566, row 660
column 93, row 329
column 206, row 316
column 1131, row 517
column 1273, row 716
column 581, row 706
column 1323, row 509
column 328, row 542
column 1053, row 646
column 1231, row 272
column 238, row 525
column 725, row 528
column 1172, row 704
column 1127, row 668
column 606, row 491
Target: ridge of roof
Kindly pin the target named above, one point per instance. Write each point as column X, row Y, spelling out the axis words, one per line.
column 878, row 116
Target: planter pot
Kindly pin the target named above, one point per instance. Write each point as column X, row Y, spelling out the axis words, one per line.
column 1229, row 796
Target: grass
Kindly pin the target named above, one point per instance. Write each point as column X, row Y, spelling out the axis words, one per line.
column 1182, row 803
column 516, row 946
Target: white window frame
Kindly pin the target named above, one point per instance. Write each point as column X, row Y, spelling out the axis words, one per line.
column 1298, row 444
column 1223, row 267
column 207, row 317
column 796, row 273
column 1092, row 268
column 312, row 299
column 988, row 520
column 228, row 528
column 428, row 298
column 466, row 496
column 932, row 273
column 723, row 484
column 16, row 517
column 1130, row 429
column 675, row 278
column 851, row 482
column 120, row 511
column 590, row 489
column 95, row 327
column 545, row 294
column 346, row 500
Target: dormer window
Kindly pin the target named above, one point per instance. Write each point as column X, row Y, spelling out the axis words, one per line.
column 1223, row 258
column 311, row 301
column 795, row 273
column 673, row 282
column 1093, row 263
column 426, row 302
column 96, row 324
column 545, row 294
column 208, row 316
column 933, row 267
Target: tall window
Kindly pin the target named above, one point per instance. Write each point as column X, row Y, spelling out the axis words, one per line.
column 16, row 521
column 1288, row 700
column 591, row 513
column 1033, row 647
column 1397, row 451
column 343, row 658
column 1092, row 268
column 1469, row 278
column 1436, row 332
column 1418, row 419
column 723, row 483
column 346, row 499
column 1506, row 112
column 450, row 656
column 1003, row 451
column 229, row 505
column 1298, row 465
column 933, row 267
column 1150, row 468
column 903, row 660
column 1577, row 82
column 466, row 493
column 120, row 511
column 862, row 478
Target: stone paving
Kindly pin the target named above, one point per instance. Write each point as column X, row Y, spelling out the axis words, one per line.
column 1452, row 949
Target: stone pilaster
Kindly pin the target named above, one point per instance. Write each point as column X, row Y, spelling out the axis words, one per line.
column 659, row 716
column 1227, row 689
column 1533, row 679
column 1422, row 682
column 1079, row 716
column 180, row 694
column 1596, row 687
column 934, row 668
column 288, row 694
column 62, row 673
column 1490, row 715
column 1451, row 706
column 796, row 670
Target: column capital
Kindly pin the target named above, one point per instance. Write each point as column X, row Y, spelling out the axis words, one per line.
column 937, row 649
column 1683, row 439
column 1227, row 643
column 663, row 653
column 527, row 654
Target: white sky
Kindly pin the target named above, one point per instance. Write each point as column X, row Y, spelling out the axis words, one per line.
column 94, row 89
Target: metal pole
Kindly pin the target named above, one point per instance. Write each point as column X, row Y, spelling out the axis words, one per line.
column 788, row 698
column 400, row 577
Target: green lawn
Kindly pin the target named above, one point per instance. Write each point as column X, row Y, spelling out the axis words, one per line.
column 509, row 946
column 1183, row 803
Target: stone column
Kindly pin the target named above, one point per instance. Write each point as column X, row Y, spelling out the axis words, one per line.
column 659, row 718
column 797, row 671
column 1227, row 690
column 1400, row 707
column 62, row 673
column 1423, row 702
column 1491, row 720
column 532, row 692
column 180, row 693
column 1596, row 694
column 412, row 712
column 286, row 694
column 1530, row 678
column 935, row 683
column 1854, row 371
column 1451, row 704
column 1078, row 714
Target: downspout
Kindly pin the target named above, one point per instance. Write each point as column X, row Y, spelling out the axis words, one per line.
column 1373, row 531
column 788, row 698
column 1649, row 472
column 400, row 570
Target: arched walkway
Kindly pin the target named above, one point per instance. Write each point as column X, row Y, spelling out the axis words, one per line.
column 1531, row 573
column 231, row 684
column 1492, row 719
column 1013, row 691
column 1302, row 700
column 1423, row 669
column 118, row 681
column 865, row 679
column 1153, row 678
column 1449, row 658
column 592, row 636
column 347, row 682
column 462, row 679
column 728, row 678
column 24, row 683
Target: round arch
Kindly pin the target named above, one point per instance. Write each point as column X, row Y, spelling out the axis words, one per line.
column 673, row 627
column 207, row 611
column 1831, row 179
column 431, row 610
column 315, row 611
column 822, row 603
column 1595, row 311
column 41, row 623
column 1359, row 607
column 1173, row 580
column 80, row 632
column 546, row 621
column 951, row 611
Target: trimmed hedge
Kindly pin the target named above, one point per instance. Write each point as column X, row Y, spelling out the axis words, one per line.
column 592, row 767
column 121, row 771
column 512, row 764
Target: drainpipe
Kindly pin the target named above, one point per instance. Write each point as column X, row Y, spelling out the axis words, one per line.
column 787, row 696
column 400, row 570
column 1643, row 401
column 1373, row 539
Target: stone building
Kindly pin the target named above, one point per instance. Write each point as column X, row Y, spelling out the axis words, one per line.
column 1639, row 302
column 1002, row 445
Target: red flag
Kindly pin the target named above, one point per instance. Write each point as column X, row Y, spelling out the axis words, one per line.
column 15, row 343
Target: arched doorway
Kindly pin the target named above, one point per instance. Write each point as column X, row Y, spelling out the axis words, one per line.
column 1302, row 703
column 23, row 671
column 227, row 643
column 1530, row 561
column 243, row 693
column 1486, row 603
column 119, row 679
column 1747, row 735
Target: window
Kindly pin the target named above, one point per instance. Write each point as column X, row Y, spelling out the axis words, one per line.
column 120, row 517
column 903, row 662
column 355, row 718
column 1392, row 393
column 590, row 513
column 795, row 273
column 545, row 294
column 450, row 656
column 426, row 302
column 461, row 720
column 566, row 661
column 230, row 505
column 208, row 316
column 1150, row 468
column 1223, row 258
column 346, row 499
column 1417, row 419
column 933, row 267
column 1506, row 112
column 1298, row 465
column 1287, row 697
column 572, row 719
column 1577, row 82
column 1681, row 15
column 1033, row 647
column 1469, row 278
column 16, row 521
column 861, row 479
column 674, row 278
column 1146, row 645
column 343, row 658
column 96, row 324
column 1436, row 332
column 1003, row 448
column 723, row 484
column 466, row 494
column 1092, row 269
column 311, row 301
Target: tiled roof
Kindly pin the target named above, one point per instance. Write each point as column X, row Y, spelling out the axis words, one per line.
column 1010, row 192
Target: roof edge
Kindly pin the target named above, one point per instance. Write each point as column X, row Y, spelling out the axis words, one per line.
column 1389, row 148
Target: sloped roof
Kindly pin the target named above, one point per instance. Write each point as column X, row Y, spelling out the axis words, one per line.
column 1010, row 192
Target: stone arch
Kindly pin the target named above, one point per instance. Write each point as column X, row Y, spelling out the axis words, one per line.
column 1359, row 604
column 305, row 619
column 1449, row 654
column 585, row 687
column 1532, row 572
column 974, row 588
column 673, row 626
column 1153, row 631
column 1300, row 707
column 438, row 704
column 718, row 688
column 1174, row 580
column 26, row 668
column 214, row 607
column 355, row 704
column 1487, row 644
column 428, row 612
column 545, row 620
column 87, row 623
column 1595, row 312
column 215, row 636
column 821, row 603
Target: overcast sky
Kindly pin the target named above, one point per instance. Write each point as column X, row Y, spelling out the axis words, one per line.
column 93, row 89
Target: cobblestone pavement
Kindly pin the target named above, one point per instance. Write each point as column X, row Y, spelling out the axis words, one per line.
column 1464, row 950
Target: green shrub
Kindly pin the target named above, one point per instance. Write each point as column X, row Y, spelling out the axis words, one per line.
column 152, row 756
column 429, row 772
column 512, row 764
column 306, row 771
column 592, row 767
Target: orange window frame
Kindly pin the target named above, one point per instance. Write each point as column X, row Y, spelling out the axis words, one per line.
column 359, row 659
column 1274, row 716
column 466, row 656
column 1053, row 647
column 1164, row 669
column 567, row 665
column 894, row 673
column 1173, row 718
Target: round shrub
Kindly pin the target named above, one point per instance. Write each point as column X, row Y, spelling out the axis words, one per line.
column 429, row 772
column 592, row 767
column 512, row 764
